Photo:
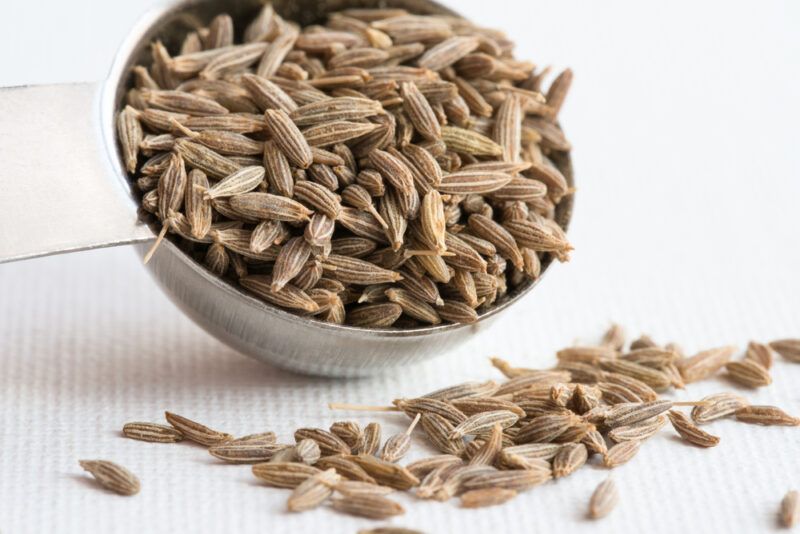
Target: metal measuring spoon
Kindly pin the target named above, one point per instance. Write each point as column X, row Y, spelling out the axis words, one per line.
column 63, row 188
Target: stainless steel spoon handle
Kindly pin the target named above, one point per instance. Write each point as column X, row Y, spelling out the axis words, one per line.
column 58, row 192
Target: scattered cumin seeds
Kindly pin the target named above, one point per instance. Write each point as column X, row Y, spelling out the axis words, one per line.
column 112, row 476
column 604, row 499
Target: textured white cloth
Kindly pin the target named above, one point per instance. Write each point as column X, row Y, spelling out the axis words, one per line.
column 684, row 118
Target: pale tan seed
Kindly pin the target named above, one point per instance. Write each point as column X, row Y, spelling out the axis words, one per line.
column 604, row 499
column 398, row 445
column 457, row 312
column 638, row 431
column 313, row 491
column 172, row 188
column 569, row 459
column 633, row 412
column 637, row 387
column 288, row 139
column 536, row 237
column 790, row 509
column 545, row 429
column 335, row 109
column 180, row 102
column 621, row 453
column 112, row 476
column 152, row 432
column 421, row 468
column 276, row 52
column 652, row 377
column 372, row 440
column 248, row 452
column 264, row 235
column 558, row 91
column 352, row 488
column 465, row 182
column 130, row 134
column 419, row 111
column 238, row 183
column 488, row 451
column 508, row 128
column 233, row 59
column 278, row 171
column 717, row 406
column 483, row 422
column 705, row 364
column 345, row 467
column 386, row 473
column 595, row 442
column 412, row 306
column 469, row 142
column 488, row 229
column 688, row 431
column 788, row 348
column 261, row 437
column 290, row 261
column 760, row 353
column 196, row 432
column 329, row 444
column 370, row 506
column 765, row 415
column 205, row 159
column 396, row 222
column 198, row 207
column 439, row 432
column 518, row 480
column 359, row 272
column 448, row 52
column 262, row 206
column 288, row 297
column 284, row 474
column 217, row 259
column 748, row 372
column 482, row 498
column 333, row 133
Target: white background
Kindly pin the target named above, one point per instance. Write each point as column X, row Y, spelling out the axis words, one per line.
column 684, row 117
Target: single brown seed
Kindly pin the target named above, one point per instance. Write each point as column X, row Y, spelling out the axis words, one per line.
column 486, row 497
column 621, row 453
column 247, row 452
column 196, row 432
column 313, row 491
column 705, row 364
column 288, row 138
column 152, row 432
column 398, row 445
column 749, row 372
column 112, row 476
column 569, row 459
column 604, row 499
column 790, row 509
column 761, row 353
column 765, row 415
column 329, row 443
column 688, row 431
column 717, row 406
column 284, row 474
column 370, row 506
column 788, row 348
column 345, row 467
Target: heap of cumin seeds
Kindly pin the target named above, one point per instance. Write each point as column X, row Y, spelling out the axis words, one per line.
column 497, row 439
column 383, row 169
